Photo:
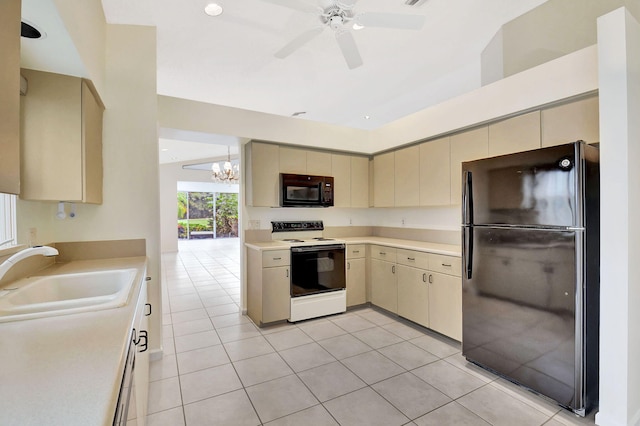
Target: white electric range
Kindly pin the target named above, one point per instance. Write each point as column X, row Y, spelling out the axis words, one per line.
column 318, row 269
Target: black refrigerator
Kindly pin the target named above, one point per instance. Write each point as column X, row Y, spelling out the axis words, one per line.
column 530, row 256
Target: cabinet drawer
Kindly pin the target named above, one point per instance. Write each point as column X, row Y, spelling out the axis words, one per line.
column 272, row 258
column 417, row 259
column 445, row 264
column 355, row 251
column 383, row 253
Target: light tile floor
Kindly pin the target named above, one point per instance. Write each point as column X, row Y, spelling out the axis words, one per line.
column 363, row 367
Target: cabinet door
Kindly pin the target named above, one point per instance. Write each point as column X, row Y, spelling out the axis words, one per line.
column 264, row 180
column 51, row 138
column 92, row 110
column 517, row 134
column 384, row 287
column 466, row 146
column 318, row 163
column 10, row 95
column 413, row 294
column 293, row 160
column 341, row 172
column 359, row 182
column 141, row 371
column 570, row 122
column 356, row 290
column 445, row 304
column 407, row 177
column 435, row 173
column 276, row 302
column 383, row 180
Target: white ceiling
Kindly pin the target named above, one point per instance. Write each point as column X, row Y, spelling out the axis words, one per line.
column 228, row 60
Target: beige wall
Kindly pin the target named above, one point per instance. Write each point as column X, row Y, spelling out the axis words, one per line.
column 130, row 160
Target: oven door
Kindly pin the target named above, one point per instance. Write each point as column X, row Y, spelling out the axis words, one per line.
column 317, row 269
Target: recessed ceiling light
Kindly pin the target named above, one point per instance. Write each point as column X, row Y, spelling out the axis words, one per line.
column 213, row 9
column 366, row 117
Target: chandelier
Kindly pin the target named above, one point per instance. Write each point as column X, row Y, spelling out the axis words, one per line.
column 229, row 173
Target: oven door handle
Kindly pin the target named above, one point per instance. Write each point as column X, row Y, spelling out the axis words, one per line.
column 317, row 248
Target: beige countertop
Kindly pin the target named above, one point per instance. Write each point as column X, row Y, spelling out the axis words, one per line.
column 446, row 249
column 66, row 370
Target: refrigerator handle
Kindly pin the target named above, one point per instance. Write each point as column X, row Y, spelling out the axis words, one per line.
column 467, row 251
column 467, row 198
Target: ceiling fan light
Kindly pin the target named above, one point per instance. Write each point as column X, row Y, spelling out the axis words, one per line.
column 213, row 9
column 357, row 26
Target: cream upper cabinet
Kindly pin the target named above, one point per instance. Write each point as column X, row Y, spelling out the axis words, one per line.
column 319, row 163
column 10, row 96
column 435, row 173
column 359, row 181
column 571, row 122
column 517, row 134
column 263, row 174
column 466, row 146
column 383, row 180
column 293, row 160
column 61, row 139
column 407, row 177
column 341, row 172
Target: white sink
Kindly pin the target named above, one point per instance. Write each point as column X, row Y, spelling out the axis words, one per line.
column 64, row 294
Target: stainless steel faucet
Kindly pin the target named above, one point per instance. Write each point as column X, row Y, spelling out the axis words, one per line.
column 23, row 254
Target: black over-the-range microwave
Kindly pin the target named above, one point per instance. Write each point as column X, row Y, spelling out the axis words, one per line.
column 305, row 191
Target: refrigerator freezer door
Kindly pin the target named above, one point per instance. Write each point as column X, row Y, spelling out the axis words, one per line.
column 538, row 188
column 519, row 308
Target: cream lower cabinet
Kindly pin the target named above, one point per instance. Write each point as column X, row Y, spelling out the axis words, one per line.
column 413, row 294
column 384, row 285
column 356, row 275
column 445, row 295
column 413, row 290
column 268, row 285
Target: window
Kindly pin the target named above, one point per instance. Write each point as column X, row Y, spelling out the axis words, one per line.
column 8, row 232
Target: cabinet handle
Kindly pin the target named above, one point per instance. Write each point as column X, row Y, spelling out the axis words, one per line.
column 277, row 258
column 448, row 265
column 424, row 278
column 143, row 335
column 383, row 253
column 411, row 259
column 348, row 265
column 287, row 272
column 393, row 269
column 430, row 279
column 356, row 251
column 147, row 278
column 149, row 305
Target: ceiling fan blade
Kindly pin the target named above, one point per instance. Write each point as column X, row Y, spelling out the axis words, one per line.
column 349, row 49
column 390, row 20
column 298, row 42
column 298, row 5
column 346, row 4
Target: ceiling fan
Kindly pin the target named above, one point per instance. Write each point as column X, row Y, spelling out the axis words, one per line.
column 339, row 15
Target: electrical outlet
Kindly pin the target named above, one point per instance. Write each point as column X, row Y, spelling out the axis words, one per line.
column 350, row 221
column 402, row 221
